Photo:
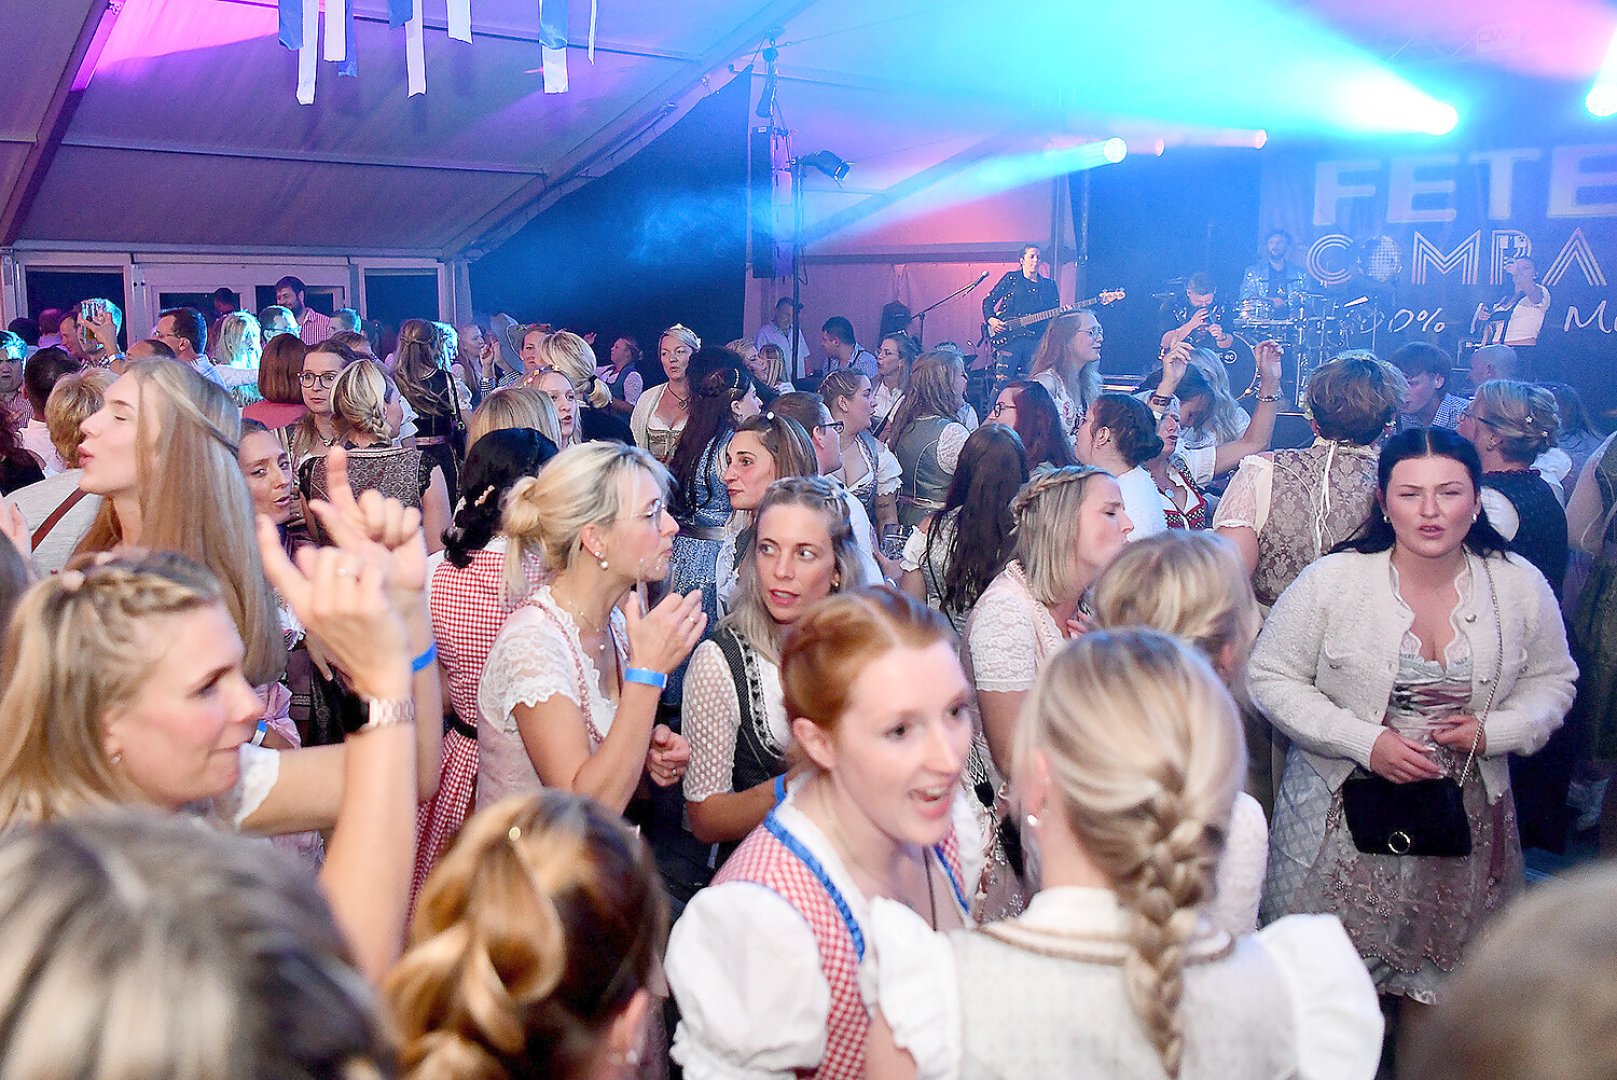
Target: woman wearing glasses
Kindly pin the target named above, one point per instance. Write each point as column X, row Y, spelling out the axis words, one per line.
column 313, row 435
column 1027, row 407
column 1067, row 364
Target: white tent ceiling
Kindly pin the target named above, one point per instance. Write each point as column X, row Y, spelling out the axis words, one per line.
column 189, row 135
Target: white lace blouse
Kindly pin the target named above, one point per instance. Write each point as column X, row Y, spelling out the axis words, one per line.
column 1009, row 634
column 1290, row 1000
column 712, row 715
column 537, row 656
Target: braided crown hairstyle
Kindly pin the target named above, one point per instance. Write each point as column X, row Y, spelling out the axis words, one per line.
column 79, row 646
column 534, row 933
column 1145, row 752
column 1046, row 513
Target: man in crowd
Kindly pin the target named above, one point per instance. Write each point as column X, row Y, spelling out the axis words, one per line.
column 185, row 331
column 1427, row 402
column 277, row 319
column 842, row 351
column 313, row 327
column 779, row 331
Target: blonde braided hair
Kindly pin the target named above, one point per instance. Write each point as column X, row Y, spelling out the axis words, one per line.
column 80, row 645
column 534, row 933
column 1046, row 515
column 1144, row 749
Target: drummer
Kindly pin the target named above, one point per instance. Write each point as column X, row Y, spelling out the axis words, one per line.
column 1274, row 277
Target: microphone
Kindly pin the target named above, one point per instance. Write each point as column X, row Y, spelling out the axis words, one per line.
column 980, row 280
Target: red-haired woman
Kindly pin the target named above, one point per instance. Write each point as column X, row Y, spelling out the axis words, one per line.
column 766, row 961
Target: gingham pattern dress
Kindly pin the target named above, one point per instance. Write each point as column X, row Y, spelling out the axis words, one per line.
column 468, row 607
column 775, row 858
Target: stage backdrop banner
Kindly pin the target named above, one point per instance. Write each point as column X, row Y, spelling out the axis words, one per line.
column 1427, row 234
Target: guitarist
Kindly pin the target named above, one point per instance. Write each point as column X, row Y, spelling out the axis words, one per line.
column 1021, row 292
column 1195, row 317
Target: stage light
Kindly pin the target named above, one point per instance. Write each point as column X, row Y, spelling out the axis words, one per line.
column 1114, row 150
column 827, row 162
column 1260, row 139
column 1602, row 99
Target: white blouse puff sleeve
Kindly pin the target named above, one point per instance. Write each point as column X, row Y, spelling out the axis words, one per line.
column 889, row 473
column 1246, row 499
column 712, row 711
column 745, row 969
column 1335, row 1012
column 1238, row 883
column 528, row 664
column 260, row 769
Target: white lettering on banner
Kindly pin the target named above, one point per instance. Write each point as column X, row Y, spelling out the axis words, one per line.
column 1404, row 187
column 1582, row 183
column 1569, row 179
column 1330, row 188
column 1466, row 256
column 1576, row 250
column 1502, row 177
column 1325, row 263
column 1324, row 272
column 1597, row 319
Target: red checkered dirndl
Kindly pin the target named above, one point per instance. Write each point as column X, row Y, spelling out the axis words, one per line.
column 468, row 609
column 773, row 857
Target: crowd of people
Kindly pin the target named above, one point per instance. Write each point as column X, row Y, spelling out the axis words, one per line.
column 744, row 719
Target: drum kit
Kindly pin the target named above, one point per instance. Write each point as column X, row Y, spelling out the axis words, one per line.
column 1311, row 328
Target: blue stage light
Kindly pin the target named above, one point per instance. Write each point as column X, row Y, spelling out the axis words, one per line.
column 1114, row 149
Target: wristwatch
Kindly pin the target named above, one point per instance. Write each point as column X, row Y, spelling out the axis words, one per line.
column 386, row 712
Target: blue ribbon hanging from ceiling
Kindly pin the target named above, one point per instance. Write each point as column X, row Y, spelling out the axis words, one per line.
column 290, row 31
column 398, row 12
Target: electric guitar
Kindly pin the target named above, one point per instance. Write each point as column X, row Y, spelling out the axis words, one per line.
column 1021, row 326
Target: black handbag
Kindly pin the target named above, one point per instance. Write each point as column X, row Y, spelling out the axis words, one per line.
column 1422, row 817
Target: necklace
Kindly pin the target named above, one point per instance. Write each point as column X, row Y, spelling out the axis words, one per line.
column 578, row 618
column 840, row 840
column 682, row 402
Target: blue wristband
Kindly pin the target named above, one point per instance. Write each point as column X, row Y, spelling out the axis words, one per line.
column 646, row 677
column 260, row 732
column 780, row 789
column 425, row 658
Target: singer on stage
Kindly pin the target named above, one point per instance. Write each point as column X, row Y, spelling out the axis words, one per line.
column 1020, row 292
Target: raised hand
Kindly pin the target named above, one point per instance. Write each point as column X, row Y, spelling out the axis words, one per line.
column 663, row 637
column 340, row 596
column 375, row 527
column 1268, row 355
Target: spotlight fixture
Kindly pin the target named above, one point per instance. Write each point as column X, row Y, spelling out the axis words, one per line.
column 1114, row 150
column 766, row 101
column 827, row 162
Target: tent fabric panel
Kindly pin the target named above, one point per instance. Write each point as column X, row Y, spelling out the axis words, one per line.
column 50, row 29
column 141, row 197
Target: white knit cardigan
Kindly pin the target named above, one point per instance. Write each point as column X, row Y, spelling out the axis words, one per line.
column 1323, row 669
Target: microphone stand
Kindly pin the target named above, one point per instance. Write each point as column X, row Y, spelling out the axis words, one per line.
column 921, row 315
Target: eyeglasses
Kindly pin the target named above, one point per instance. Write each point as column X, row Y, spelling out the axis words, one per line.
column 1467, row 414
column 834, row 425
column 1095, row 333
column 326, row 379
column 1001, row 407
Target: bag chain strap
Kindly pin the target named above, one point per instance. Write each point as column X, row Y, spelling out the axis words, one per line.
column 1498, row 673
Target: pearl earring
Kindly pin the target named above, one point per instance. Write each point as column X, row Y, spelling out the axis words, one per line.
column 1032, row 821
column 117, row 758
column 602, row 558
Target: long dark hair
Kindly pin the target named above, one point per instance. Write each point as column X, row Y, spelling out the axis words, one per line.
column 1038, row 422
column 717, row 378
column 495, row 462
column 1376, row 534
column 992, row 469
